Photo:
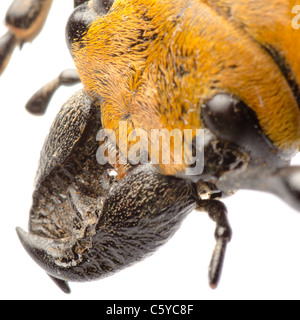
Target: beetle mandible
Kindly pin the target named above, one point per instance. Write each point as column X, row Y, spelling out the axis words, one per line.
column 160, row 65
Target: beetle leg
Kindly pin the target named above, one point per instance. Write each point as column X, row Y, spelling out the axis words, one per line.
column 56, row 255
column 8, row 43
column 24, row 20
column 38, row 103
column 109, row 234
column 217, row 212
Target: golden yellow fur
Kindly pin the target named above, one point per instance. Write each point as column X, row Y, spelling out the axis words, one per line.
column 155, row 62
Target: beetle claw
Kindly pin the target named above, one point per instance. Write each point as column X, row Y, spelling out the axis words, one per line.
column 63, row 285
column 47, row 253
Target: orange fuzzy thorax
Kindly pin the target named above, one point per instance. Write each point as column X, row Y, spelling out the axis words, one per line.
column 155, row 62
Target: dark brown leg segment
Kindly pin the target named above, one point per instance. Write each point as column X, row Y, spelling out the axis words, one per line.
column 217, row 212
column 8, row 43
column 38, row 103
column 24, row 20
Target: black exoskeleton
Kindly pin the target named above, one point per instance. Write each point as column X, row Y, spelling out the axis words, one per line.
column 82, row 226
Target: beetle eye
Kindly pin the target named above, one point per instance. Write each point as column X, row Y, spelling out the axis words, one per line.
column 102, row 6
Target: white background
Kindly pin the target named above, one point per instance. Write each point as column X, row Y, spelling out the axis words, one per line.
column 263, row 259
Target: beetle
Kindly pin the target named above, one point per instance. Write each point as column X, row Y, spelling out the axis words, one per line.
column 151, row 67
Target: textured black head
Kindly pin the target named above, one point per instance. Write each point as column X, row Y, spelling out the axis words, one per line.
column 84, row 14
